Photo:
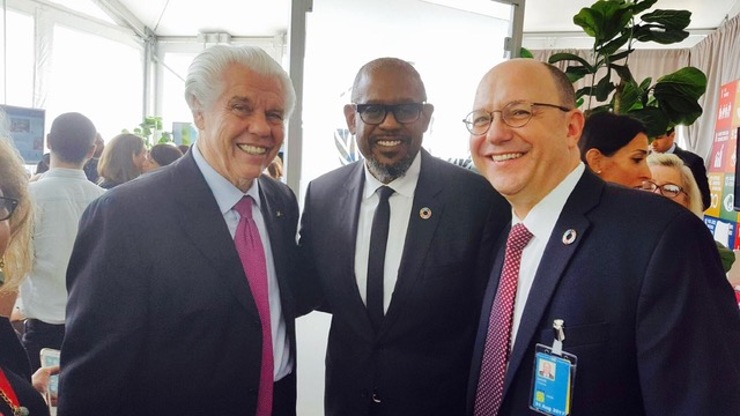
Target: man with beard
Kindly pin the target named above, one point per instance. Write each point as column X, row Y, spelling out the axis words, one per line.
column 397, row 248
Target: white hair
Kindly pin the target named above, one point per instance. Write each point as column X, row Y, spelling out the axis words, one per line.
column 204, row 74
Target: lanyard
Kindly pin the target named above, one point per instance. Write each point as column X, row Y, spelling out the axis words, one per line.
column 8, row 395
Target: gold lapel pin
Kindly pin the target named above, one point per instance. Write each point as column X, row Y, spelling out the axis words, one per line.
column 425, row 213
column 569, row 237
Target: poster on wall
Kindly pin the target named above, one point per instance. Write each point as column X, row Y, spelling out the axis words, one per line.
column 26, row 128
column 722, row 216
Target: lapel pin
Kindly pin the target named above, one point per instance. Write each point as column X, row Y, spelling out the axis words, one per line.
column 425, row 213
column 278, row 213
column 569, row 237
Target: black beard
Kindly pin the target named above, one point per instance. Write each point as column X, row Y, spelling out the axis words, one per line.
column 387, row 173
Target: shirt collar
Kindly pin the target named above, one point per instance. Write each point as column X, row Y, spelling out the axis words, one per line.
column 405, row 185
column 65, row 173
column 672, row 149
column 542, row 217
column 226, row 194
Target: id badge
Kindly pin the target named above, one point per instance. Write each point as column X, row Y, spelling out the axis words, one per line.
column 552, row 381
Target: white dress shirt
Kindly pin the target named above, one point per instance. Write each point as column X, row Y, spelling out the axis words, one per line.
column 227, row 195
column 401, row 203
column 540, row 222
column 59, row 198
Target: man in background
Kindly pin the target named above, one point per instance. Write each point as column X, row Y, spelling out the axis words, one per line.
column 404, row 305
column 91, row 167
column 60, row 196
column 666, row 144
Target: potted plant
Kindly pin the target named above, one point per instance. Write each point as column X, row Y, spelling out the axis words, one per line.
column 616, row 25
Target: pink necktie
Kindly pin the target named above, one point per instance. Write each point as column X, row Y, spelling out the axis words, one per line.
column 252, row 255
column 490, row 390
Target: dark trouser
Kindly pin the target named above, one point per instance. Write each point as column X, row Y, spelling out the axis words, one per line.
column 284, row 396
column 39, row 335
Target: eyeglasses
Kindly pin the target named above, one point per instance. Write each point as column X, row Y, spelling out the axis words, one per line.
column 374, row 114
column 514, row 114
column 7, row 206
column 670, row 190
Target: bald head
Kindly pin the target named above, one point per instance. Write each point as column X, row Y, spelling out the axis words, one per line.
column 387, row 65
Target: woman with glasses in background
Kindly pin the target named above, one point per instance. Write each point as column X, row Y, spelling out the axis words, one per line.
column 674, row 180
column 615, row 147
column 17, row 395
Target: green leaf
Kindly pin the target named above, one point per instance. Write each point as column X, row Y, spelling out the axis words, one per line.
column 640, row 6
column 564, row 56
column 689, row 80
column 623, row 71
column 655, row 121
column 670, row 19
column 646, row 83
column 630, row 97
column 604, row 88
column 614, row 45
column 525, row 53
column 677, row 94
column 604, row 19
column 621, row 55
column 575, row 73
column 659, row 34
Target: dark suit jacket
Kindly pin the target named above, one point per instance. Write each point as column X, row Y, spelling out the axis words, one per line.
column 418, row 363
column 160, row 319
column 696, row 164
column 647, row 310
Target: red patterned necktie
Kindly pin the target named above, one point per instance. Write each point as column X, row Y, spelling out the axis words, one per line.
column 252, row 255
column 490, row 390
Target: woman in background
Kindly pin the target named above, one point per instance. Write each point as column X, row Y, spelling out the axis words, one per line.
column 122, row 160
column 18, row 395
column 675, row 181
column 615, row 148
column 161, row 154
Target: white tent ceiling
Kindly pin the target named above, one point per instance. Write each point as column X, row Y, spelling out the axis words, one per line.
column 269, row 18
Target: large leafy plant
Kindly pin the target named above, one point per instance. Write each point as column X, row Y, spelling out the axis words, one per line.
column 616, row 25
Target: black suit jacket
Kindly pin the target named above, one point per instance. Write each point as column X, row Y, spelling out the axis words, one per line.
column 418, row 362
column 696, row 164
column 647, row 310
column 160, row 319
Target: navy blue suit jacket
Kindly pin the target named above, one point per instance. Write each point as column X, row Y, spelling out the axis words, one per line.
column 647, row 310
column 418, row 362
column 160, row 319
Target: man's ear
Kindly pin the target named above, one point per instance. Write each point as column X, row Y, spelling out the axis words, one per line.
column 350, row 116
column 576, row 121
column 426, row 114
column 595, row 160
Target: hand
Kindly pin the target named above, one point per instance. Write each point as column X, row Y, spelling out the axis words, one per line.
column 40, row 381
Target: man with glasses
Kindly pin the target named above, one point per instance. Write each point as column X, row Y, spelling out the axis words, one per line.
column 403, row 304
column 622, row 285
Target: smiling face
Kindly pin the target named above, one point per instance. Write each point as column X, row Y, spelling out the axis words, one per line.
column 389, row 147
column 525, row 163
column 242, row 131
column 628, row 165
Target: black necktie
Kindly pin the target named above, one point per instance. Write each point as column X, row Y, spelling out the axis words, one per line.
column 376, row 259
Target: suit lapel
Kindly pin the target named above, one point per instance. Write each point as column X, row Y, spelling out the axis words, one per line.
column 204, row 224
column 419, row 235
column 551, row 269
column 347, row 217
column 274, row 214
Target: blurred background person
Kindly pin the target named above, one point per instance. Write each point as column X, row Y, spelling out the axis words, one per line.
column 666, row 144
column 161, row 154
column 183, row 148
column 615, row 148
column 275, row 168
column 91, row 167
column 15, row 260
column 59, row 198
column 122, row 160
column 41, row 167
column 675, row 181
